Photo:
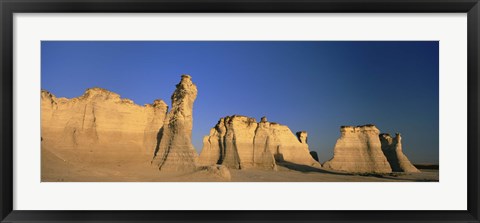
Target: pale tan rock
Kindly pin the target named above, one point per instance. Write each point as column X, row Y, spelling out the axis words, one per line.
column 392, row 148
column 240, row 142
column 359, row 150
column 154, row 125
column 175, row 151
column 100, row 120
column 211, row 150
column 218, row 170
column 263, row 146
column 231, row 143
column 289, row 148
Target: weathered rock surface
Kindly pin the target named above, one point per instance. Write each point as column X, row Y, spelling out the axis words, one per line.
column 240, row 142
column 232, row 143
column 359, row 150
column 392, row 148
column 100, row 120
column 218, row 170
column 175, row 151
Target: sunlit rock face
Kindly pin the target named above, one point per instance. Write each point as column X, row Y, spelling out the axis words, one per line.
column 392, row 148
column 359, row 150
column 232, row 143
column 175, row 151
column 100, row 120
column 240, row 142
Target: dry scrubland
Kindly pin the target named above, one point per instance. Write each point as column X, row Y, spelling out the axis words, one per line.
column 101, row 137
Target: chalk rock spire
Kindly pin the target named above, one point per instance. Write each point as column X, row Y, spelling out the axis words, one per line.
column 175, row 151
column 392, row 148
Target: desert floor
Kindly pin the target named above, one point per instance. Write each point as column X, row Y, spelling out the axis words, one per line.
column 90, row 166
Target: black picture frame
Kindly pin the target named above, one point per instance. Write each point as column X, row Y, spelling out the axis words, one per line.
column 9, row 7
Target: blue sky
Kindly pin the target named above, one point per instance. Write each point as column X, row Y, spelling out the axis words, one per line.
column 315, row 86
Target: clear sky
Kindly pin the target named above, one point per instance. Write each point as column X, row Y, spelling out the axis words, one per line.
column 315, row 86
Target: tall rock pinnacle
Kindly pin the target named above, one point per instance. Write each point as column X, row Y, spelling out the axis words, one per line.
column 175, row 151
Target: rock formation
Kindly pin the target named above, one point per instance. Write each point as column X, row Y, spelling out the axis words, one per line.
column 217, row 170
column 175, row 151
column 100, row 120
column 359, row 150
column 392, row 148
column 363, row 149
column 240, row 142
column 232, row 143
column 314, row 155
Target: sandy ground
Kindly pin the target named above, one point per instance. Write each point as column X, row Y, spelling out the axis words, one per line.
column 111, row 166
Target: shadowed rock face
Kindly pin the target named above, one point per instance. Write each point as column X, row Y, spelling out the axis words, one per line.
column 240, row 142
column 302, row 136
column 175, row 151
column 100, row 120
column 314, row 155
column 392, row 148
column 359, row 150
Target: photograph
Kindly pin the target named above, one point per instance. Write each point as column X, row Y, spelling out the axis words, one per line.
column 239, row 111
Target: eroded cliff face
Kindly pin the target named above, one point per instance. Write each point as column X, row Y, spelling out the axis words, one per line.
column 100, row 120
column 240, row 142
column 392, row 148
column 175, row 151
column 359, row 150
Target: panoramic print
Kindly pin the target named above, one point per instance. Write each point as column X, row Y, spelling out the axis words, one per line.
column 239, row 111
